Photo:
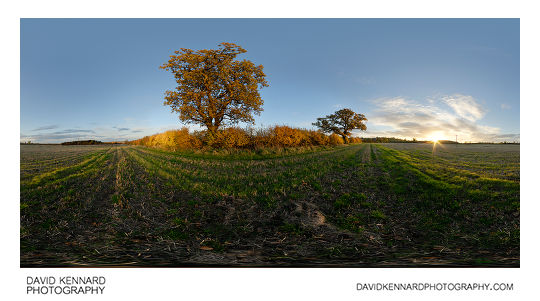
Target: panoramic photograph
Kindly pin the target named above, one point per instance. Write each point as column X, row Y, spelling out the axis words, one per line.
column 269, row 142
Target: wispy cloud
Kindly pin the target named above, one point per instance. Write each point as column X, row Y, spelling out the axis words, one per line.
column 70, row 131
column 61, row 136
column 465, row 106
column 509, row 137
column 446, row 116
column 105, row 134
column 57, row 137
column 505, row 106
column 47, row 127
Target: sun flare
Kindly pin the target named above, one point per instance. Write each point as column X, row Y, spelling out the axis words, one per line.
column 436, row 137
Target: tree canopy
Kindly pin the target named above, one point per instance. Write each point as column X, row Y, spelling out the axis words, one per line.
column 213, row 88
column 342, row 122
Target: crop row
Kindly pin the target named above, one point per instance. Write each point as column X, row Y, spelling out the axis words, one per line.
column 353, row 203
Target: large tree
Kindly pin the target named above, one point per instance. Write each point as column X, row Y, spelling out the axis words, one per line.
column 213, row 88
column 342, row 122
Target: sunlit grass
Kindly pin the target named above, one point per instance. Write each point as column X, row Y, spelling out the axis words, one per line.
column 377, row 195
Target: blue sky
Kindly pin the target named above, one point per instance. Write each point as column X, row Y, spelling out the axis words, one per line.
column 423, row 78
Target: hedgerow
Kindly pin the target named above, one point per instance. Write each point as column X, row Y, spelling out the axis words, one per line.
column 241, row 138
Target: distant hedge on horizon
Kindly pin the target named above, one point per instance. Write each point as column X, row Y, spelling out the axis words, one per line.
column 82, row 142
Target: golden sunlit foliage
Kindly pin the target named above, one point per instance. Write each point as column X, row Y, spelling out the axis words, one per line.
column 287, row 136
column 235, row 137
column 335, row 139
column 213, row 88
column 342, row 122
column 229, row 138
column 170, row 140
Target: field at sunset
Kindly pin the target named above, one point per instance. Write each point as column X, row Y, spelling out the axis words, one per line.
column 270, row 142
column 393, row 204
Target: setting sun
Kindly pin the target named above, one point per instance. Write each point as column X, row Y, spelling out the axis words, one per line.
column 435, row 137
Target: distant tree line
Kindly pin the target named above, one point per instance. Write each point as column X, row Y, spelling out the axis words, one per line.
column 504, row 142
column 82, row 142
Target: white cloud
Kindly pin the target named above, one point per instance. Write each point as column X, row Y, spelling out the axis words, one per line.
column 446, row 116
column 105, row 134
column 505, row 106
column 465, row 106
column 46, row 127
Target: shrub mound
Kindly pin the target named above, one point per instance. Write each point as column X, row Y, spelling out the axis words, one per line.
column 240, row 138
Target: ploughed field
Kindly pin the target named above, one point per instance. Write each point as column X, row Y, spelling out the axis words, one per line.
column 352, row 205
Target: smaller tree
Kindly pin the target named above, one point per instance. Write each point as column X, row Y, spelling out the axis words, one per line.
column 342, row 122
